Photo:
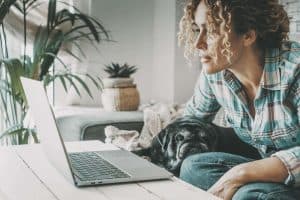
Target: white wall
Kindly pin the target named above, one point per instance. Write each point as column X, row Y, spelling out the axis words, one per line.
column 145, row 33
column 163, row 51
column 131, row 25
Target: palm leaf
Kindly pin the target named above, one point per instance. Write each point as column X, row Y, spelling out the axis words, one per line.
column 83, row 84
column 89, row 23
column 98, row 85
column 20, row 132
column 54, row 56
column 73, row 55
column 79, row 48
column 4, row 8
column 19, row 7
column 5, row 87
column 24, row 5
column 50, row 53
column 32, row 4
column 96, row 21
column 34, row 136
column 73, row 84
column 51, row 14
column 39, row 44
column 12, row 130
column 62, row 80
column 15, row 70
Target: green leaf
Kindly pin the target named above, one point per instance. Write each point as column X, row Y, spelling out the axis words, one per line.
column 88, row 23
column 4, row 8
column 72, row 54
column 25, row 137
column 50, row 53
column 19, row 134
column 40, row 41
column 98, row 85
column 83, row 84
column 39, row 44
column 79, row 48
column 51, row 14
column 63, row 82
column 15, row 70
column 14, row 130
column 74, row 85
column 34, row 136
column 32, row 4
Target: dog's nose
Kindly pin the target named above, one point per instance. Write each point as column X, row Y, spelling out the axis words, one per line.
column 179, row 138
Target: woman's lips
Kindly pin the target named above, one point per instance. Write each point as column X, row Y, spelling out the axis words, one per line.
column 205, row 59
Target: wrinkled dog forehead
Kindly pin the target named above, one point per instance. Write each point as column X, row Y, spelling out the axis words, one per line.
column 185, row 133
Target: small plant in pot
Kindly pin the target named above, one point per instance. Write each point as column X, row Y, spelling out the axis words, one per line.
column 120, row 92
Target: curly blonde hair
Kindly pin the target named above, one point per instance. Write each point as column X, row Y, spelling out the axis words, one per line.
column 266, row 17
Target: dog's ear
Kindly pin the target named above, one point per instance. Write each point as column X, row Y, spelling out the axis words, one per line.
column 161, row 139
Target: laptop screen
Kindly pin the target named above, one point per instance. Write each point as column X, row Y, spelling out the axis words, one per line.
column 47, row 130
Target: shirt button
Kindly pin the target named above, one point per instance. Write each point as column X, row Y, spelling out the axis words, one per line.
column 294, row 139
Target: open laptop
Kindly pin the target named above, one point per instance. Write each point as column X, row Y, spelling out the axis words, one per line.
column 84, row 168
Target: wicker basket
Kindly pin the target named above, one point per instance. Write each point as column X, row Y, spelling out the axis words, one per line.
column 121, row 99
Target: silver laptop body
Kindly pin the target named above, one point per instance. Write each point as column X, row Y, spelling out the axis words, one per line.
column 126, row 166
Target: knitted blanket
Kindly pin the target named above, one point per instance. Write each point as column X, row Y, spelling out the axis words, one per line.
column 156, row 117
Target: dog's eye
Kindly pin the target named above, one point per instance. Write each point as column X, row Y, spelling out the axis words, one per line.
column 179, row 138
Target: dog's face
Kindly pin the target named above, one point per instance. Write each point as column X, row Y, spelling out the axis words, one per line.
column 183, row 137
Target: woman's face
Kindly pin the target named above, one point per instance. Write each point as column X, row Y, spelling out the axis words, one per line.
column 210, row 46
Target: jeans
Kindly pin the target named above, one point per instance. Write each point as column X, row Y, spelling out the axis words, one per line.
column 204, row 169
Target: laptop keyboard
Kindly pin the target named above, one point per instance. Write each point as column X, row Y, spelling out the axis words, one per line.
column 89, row 166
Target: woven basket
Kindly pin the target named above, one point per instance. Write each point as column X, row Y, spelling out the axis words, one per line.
column 117, row 82
column 121, row 99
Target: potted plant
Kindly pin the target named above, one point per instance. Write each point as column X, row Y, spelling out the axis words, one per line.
column 119, row 91
column 64, row 29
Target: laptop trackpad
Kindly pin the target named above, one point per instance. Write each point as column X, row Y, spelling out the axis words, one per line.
column 133, row 165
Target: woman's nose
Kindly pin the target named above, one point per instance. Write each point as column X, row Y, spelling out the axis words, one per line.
column 201, row 41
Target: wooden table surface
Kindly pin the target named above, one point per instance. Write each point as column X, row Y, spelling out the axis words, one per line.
column 26, row 174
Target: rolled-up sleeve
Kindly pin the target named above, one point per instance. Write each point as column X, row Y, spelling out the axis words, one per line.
column 203, row 104
column 291, row 157
column 291, row 160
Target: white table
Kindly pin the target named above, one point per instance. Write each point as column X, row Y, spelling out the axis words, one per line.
column 26, row 174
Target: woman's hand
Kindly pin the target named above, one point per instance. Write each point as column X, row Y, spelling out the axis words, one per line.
column 229, row 183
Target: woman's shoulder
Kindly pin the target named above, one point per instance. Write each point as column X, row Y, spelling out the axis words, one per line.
column 290, row 52
column 290, row 62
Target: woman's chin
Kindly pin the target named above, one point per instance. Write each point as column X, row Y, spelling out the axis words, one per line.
column 209, row 69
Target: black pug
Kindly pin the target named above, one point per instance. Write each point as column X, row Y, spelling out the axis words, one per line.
column 187, row 136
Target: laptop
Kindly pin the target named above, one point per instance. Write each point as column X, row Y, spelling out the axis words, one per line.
column 84, row 168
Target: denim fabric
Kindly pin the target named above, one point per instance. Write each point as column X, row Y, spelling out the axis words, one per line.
column 204, row 169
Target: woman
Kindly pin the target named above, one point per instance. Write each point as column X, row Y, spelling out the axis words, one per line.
column 253, row 73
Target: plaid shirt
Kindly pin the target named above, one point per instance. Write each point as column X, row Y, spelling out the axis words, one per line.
column 275, row 129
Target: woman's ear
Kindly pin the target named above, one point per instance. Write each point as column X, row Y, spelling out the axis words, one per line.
column 249, row 38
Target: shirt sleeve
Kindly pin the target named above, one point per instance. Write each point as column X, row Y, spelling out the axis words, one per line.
column 203, row 104
column 291, row 160
column 291, row 157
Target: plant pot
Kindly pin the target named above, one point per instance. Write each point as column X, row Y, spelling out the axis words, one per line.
column 121, row 99
column 117, row 82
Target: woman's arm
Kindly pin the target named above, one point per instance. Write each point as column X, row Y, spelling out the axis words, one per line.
column 203, row 104
column 265, row 170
